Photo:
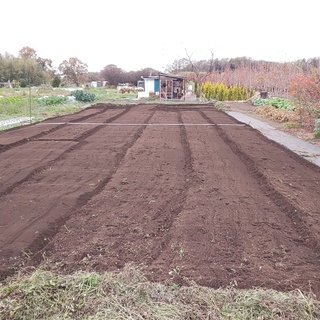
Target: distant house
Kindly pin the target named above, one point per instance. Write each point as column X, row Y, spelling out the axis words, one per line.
column 166, row 86
column 97, row 84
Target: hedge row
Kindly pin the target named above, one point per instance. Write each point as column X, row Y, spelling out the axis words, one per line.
column 221, row 92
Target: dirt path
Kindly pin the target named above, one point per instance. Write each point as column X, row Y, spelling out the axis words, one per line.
column 185, row 191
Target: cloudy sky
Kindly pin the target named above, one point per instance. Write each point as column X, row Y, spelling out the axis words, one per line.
column 144, row 33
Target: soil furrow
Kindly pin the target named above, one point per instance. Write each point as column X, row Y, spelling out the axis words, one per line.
column 141, row 217
column 33, row 178
column 225, row 235
column 38, row 245
column 84, row 198
column 295, row 214
column 6, row 147
column 166, row 188
column 196, row 238
column 168, row 212
column 80, row 141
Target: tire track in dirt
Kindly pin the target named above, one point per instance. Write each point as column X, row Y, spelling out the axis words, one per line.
column 44, row 236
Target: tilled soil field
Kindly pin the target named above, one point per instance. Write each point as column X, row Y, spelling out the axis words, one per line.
column 184, row 191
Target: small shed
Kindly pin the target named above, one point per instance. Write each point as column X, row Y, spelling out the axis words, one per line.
column 166, row 86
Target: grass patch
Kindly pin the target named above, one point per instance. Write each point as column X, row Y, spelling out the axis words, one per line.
column 43, row 103
column 128, row 295
column 223, row 106
column 291, row 124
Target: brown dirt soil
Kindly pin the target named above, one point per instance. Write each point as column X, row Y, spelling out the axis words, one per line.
column 184, row 191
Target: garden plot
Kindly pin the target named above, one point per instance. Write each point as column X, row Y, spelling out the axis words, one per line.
column 188, row 192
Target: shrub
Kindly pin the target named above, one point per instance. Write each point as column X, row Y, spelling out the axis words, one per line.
column 306, row 94
column 83, row 96
column 56, row 82
column 23, row 83
column 219, row 91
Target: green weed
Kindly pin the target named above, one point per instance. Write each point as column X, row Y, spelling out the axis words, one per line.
column 276, row 102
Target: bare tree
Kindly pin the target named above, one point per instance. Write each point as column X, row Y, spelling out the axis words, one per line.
column 112, row 74
column 200, row 72
column 74, row 70
column 27, row 53
column 178, row 65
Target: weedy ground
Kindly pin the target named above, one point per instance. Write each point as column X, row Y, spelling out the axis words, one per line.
column 39, row 104
column 41, row 294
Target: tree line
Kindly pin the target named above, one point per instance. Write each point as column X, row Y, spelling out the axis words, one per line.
column 28, row 69
column 257, row 75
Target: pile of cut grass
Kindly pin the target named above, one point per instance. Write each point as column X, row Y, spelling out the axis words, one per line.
column 127, row 294
column 280, row 115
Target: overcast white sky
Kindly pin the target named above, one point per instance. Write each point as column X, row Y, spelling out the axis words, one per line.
column 144, row 33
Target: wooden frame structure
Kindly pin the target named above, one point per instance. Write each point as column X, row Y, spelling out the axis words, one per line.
column 171, row 86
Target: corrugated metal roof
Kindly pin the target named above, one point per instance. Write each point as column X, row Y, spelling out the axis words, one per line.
column 165, row 75
column 171, row 76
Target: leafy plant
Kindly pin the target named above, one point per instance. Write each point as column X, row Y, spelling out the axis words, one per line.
column 12, row 105
column 83, row 96
column 56, row 82
column 279, row 103
column 53, row 100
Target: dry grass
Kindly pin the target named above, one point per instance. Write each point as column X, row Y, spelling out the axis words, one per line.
column 280, row 115
column 127, row 294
